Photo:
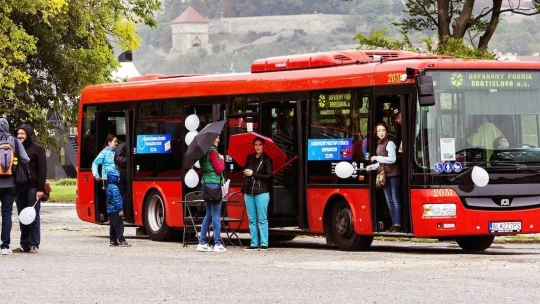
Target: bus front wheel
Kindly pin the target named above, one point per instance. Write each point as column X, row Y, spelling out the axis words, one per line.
column 154, row 219
column 475, row 243
column 342, row 229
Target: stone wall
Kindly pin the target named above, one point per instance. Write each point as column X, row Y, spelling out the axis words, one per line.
column 311, row 24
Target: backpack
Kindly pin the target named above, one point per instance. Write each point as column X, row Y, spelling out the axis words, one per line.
column 7, row 156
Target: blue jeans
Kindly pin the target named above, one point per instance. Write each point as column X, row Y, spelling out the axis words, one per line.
column 391, row 192
column 257, row 208
column 213, row 213
column 7, row 197
column 30, row 234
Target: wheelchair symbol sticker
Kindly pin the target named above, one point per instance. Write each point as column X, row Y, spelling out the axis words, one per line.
column 438, row 167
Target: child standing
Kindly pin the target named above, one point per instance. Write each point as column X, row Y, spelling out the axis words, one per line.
column 115, row 210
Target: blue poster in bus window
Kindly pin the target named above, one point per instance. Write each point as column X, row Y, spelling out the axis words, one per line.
column 330, row 149
column 153, row 143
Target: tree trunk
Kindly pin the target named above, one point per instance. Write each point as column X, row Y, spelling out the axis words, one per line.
column 461, row 26
column 443, row 12
column 493, row 22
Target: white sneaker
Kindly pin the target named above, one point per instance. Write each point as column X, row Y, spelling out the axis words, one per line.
column 5, row 251
column 220, row 248
column 204, row 248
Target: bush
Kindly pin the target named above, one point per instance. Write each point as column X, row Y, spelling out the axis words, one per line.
column 66, row 182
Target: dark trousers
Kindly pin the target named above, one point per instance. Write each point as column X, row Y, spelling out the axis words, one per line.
column 30, row 234
column 122, row 187
column 116, row 230
column 7, row 196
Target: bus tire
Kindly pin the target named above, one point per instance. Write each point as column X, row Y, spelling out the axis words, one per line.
column 342, row 229
column 475, row 243
column 154, row 219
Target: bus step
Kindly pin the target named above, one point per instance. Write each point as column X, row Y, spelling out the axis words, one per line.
column 394, row 234
column 290, row 230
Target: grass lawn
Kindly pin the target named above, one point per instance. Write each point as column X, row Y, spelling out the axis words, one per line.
column 63, row 190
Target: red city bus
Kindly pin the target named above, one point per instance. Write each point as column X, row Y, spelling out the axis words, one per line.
column 320, row 109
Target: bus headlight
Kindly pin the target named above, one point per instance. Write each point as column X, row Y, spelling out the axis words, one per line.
column 439, row 210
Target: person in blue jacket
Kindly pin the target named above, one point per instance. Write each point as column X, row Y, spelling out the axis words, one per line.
column 105, row 158
column 115, row 209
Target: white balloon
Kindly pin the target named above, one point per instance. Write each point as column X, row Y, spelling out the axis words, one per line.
column 480, row 176
column 192, row 122
column 344, row 169
column 191, row 178
column 189, row 136
column 197, row 165
column 27, row 215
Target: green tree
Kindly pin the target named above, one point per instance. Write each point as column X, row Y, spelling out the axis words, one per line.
column 459, row 19
column 51, row 49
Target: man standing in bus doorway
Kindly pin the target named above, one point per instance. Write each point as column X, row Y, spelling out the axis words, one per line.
column 120, row 162
column 30, row 234
column 8, row 190
column 397, row 124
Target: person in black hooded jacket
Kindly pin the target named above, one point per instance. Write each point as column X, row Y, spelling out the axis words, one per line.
column 257, row 184
column 30, row 234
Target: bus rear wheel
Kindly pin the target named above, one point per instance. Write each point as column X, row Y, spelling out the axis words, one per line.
column 475, row 243
column 154, row 219
column 342, row 229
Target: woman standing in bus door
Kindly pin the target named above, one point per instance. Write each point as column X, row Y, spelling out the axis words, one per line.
column 256, row 188
column 386, row 156
column 212, row 165
column 105, row 158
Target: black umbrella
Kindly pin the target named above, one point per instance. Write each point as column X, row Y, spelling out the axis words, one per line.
column 201, row 142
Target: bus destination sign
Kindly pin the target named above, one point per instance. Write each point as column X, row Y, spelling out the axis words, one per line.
column 153, row 143
column 488, row 80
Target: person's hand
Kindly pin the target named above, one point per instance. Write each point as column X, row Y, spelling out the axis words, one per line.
column 121, row 213
column 221, row 157
column 39, row 194
column 248, row 172
column 99, row 179
column 369, row 168
column 373, row 158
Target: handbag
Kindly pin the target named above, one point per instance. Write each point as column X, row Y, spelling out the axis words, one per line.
column 212, row 195
column 46, row 192
column 381, row 177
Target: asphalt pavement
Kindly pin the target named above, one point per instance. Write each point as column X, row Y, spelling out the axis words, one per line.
column 76, row 265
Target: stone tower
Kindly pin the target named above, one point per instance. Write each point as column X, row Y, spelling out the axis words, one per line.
column 189, row 31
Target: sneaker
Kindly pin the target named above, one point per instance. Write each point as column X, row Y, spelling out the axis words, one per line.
column 220, row 248
column 204, row 248
column 264, row 248
column 19, row 250
column 251, row 248
column 113, row 244
column 124, row 244
column 391, row 229
column 397, row 228
column 34, row 250
column 5, row 251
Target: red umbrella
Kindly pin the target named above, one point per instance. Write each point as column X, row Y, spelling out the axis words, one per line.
column 241, row 145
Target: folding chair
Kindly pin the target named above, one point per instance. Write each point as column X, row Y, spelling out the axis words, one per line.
column 230, row 223
column 192, row 216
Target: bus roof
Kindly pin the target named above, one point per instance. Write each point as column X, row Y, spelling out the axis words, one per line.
column 338, row 69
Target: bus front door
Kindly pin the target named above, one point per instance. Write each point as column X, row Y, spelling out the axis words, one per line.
column 106, row 123
column 278, row 122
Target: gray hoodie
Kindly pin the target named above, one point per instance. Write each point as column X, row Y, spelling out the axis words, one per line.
column 9, row 181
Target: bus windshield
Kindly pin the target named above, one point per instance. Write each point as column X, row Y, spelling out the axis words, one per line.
column 480, row 118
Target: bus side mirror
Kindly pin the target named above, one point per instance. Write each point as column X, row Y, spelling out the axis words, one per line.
column 426, row 94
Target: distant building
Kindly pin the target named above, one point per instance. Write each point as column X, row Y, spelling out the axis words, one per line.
column 189, row 32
